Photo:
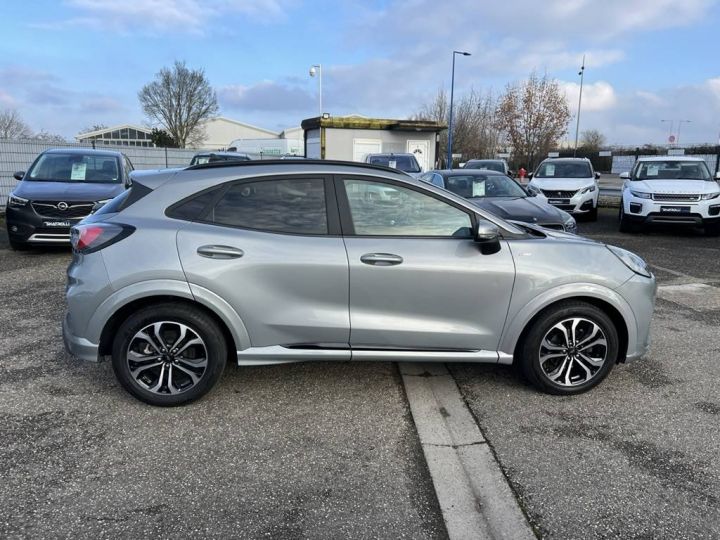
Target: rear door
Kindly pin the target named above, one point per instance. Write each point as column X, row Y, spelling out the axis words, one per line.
column 271, row 248
column 417, row 279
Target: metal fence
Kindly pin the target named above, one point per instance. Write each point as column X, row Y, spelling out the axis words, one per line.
column 621, row 164
column 17, row 155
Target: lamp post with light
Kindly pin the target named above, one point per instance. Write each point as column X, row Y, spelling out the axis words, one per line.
column 316, row 69
column 450, row 123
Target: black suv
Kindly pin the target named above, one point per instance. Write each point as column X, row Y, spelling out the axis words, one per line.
column 61, row 187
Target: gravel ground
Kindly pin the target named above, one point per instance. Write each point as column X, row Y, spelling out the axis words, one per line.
column 636, row 457
column 320, row 450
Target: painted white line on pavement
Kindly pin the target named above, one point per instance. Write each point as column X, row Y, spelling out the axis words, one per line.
column 693, row 295
column 474, row 495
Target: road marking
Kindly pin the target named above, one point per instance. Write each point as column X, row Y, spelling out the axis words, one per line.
column 474, row 495
column 699, row 296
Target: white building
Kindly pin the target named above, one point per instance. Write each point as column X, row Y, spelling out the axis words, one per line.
column 122, row 135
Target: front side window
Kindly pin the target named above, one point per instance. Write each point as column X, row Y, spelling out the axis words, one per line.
column 288, row 206
column 672, row 170
column 563, row 169
column 72, row 167
column 382, row 209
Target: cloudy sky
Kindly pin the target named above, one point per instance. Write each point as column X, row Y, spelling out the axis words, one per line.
column 68, row 64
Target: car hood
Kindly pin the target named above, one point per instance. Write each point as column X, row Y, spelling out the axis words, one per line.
column 562, row 184
column 558, row 235
column 674, row 186
column 67, row 191
column 525, row 209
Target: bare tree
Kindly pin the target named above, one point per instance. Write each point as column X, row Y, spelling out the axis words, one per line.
column 592, row 140
column 180, row 99
column 12, row 126
column 52, row 138
column 474, row 131
column 94, row 127
column 534, row 116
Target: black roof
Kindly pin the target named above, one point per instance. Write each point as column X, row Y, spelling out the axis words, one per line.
column 290, row 162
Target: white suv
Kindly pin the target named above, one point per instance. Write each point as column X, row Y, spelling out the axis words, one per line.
column 670, row 189
column 569, row 184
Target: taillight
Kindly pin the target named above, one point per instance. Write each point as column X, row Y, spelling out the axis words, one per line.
column 91, row 237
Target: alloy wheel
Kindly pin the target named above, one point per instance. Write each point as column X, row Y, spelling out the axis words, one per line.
column 167, row 357
column 573, row 351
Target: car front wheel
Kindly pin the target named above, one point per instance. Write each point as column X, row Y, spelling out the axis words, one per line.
column 169, row 354
column 570, row 348
column 626, row 224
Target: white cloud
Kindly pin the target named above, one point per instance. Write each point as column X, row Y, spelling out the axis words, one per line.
column 598, row 96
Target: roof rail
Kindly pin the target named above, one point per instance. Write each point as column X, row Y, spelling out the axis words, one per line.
column 290, row 162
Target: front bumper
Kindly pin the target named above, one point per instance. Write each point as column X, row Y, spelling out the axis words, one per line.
column 24, row 225
column 580, row 203
column 649, row 211
column 639, row 292
column 78, row 346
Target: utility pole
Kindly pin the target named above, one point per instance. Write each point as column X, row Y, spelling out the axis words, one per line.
column 450, row 123
column 577, row 125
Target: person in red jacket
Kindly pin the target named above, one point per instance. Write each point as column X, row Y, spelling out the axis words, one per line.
column 522, row 173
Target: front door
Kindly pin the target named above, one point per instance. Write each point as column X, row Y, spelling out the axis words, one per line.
column 417, row 279
column 268, row 247
column 420, row 149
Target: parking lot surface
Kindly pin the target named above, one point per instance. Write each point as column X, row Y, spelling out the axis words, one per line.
column 637, row 457
column 294, row 451
column 328, row 450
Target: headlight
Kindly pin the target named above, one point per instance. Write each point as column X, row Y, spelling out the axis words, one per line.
column 641, row 195
column 16, row 202
column 588, row 189
column 708, row 196
column 632, row 261
column 570, row 225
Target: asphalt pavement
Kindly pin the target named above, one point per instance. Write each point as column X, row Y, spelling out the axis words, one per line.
column 637, row 457
column 318, row 450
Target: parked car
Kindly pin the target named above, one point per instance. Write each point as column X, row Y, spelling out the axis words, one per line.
column 267, row 262
column 61, row 187
column 670, row 189
column 569, row 184
column 503, row 196
column 212, row 157
column 499, row 165
column 402, row 162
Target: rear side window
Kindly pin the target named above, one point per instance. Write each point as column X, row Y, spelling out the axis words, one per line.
column 194, row 207
column 288, row 206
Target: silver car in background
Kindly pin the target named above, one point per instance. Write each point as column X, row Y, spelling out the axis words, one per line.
column 282, row 261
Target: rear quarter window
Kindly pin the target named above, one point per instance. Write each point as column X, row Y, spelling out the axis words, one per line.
column 124, row 200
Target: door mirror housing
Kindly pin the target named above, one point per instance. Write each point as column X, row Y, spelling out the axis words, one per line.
column 529, row 175
column 597, row 176
column 19, row 175
column 717, row 176
column 625, row 176
column 487, row 236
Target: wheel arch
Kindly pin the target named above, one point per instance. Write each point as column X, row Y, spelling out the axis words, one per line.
column 612, row 304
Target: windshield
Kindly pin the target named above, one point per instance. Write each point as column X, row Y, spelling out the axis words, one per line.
column 403, row 163
column 493, row 165
column 671, row 170
column 70, row 167
column 560, row 169
column 483, row 185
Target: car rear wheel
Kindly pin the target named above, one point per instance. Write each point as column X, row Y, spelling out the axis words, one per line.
column 570, row 348
column 169, row 354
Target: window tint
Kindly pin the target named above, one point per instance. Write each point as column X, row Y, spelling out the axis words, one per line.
column 289, row 206
column 672, row 170
column 563, row 169
column 492, row 165
column 73, row 167
column 192, row 209
column 380, row 209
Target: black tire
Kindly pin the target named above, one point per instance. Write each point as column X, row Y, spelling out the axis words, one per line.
column 712, row 229
column 593, row 214
column 172, row 315
column 530, row 348
column 626, row 224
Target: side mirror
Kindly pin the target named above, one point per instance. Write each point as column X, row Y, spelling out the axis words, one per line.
column 19, row 175
column 597, row 176
column 717, row 176
column 487, row 235
column 530, row 175
column 461, row 165
column 625, row 176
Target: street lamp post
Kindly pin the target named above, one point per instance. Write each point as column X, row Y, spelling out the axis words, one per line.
column 316, row 69
column 670, row 134
column 577, row 125
column 680, row 123
column 450, row 123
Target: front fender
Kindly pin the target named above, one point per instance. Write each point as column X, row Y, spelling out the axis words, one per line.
column 520, row 319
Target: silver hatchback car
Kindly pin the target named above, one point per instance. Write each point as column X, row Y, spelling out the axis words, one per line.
column 284, row 261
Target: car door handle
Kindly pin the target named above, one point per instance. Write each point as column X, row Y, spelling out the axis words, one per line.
column 220, row 252
column 381, row 259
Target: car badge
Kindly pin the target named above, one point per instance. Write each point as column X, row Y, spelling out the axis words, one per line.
column 62, row 206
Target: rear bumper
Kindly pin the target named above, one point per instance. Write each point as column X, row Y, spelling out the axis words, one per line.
column 78, row 346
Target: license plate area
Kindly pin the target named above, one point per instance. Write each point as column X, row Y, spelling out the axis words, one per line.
column 559, row 201
column 57, row 224
column 675, row 209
